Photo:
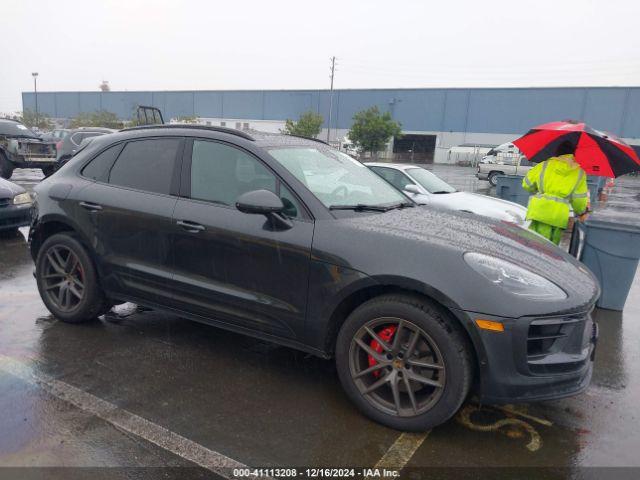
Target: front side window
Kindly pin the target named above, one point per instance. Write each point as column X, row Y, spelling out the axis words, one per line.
column 221, row 173
column 394, row 177
column 429, row 181
column 335, row 178
column 146, row 165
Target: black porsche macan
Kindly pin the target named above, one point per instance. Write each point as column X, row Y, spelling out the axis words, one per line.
column 289, row 240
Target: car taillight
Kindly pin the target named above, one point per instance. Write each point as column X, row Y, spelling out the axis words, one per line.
column 59, row 145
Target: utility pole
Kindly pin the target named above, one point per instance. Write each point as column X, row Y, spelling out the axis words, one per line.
column 35, row 90
column 333, row 70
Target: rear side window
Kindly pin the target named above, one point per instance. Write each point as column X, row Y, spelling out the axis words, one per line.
column 146, row 165
column 98, row 168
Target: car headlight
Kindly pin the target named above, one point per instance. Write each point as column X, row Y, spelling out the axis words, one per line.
column 514, row 279
column 22, row 198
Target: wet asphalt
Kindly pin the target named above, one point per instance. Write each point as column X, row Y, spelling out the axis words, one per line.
column 264, row 405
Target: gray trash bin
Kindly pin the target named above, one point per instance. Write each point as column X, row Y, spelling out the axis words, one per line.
column 609, row 244
column 509, row 187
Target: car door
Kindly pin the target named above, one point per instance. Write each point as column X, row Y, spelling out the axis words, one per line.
column 233, row 267
column 132, row 203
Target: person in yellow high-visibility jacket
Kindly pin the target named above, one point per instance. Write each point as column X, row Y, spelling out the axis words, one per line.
column 556, row 184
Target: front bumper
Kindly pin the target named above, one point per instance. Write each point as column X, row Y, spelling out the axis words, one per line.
column 14, row 216
column 482, row 176
column 535, row 358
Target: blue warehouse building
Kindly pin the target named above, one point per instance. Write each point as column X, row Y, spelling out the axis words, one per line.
column 433, row 119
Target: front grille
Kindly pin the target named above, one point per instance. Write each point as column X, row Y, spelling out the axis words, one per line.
column 558, row 345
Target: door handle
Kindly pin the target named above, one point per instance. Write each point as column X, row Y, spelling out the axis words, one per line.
column 92, row 207
column 191, row 227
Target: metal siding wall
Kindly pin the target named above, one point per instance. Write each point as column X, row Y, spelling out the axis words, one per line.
column 448, row 110
column 123, row 104
column 631, row 120
column 604, row 108
column 89, row 101
column 513, row 111
column 67, row 104
column 420, row 110
column 456, row 109
column 283, row 105
column 207, row 104
column 243, row 105
column 178, row 104
column 353, row 101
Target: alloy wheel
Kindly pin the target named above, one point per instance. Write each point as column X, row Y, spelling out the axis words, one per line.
column 397, row 366
column 63, row 278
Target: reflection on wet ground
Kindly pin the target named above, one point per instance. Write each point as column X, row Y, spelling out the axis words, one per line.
column 266, row 405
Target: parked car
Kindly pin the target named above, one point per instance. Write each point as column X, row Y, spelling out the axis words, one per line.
column 22, row 148
column 505, row 159
column 418, row 306
column 70, row 144
column 425, row 188
column 15, row 206
column 55, row 135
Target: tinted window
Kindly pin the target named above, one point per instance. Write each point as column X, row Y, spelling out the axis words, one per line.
column 220, row 174
column 394, row 177
column 146, row 165
column 98, row 168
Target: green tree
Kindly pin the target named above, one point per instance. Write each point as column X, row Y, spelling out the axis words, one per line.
column 100, row 118
column 372, row 130
column 187, row 119
column 40, row 121
column 308, row 125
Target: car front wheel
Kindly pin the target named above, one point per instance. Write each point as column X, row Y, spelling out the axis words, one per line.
column 493, row 178
column 67, row 280
column 403, row 362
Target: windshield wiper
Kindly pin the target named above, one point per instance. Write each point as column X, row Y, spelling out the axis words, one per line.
column 401, row 205
column 441, row 192
column 360, row 207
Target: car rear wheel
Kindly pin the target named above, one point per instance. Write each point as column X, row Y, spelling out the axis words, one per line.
column 493, row 178
column 6, row 167
column 67, row 280
column 403, row 363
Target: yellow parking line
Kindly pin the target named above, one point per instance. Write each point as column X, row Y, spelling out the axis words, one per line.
column 399, row 454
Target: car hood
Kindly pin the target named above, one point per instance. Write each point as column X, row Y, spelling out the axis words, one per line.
column 480, row 205
column 9, row 190
column 412, row 230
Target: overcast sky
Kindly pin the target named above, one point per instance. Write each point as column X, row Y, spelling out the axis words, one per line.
column 272, row 44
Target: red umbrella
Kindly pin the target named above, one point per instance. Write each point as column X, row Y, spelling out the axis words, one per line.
column 598, row 153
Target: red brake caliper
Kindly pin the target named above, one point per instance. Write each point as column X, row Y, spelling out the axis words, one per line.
column 386, row 334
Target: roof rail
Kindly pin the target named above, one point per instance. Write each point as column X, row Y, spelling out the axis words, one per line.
column 307, row 138
column 231, row 131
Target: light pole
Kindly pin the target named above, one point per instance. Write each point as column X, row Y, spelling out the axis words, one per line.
column 35, row 90
column 333, row 71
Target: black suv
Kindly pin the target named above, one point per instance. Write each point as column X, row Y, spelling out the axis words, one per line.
column 289, row 240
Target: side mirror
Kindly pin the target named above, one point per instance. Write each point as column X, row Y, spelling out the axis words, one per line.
column 259, row 201
column 412, row 189
column 264, row 202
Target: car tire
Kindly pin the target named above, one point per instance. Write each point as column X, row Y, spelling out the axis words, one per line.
column 6, row 167
column 450, row 362
column 493, row 178
column 68, row 285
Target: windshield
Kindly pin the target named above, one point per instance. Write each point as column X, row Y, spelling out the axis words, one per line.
column 429, row 181
column 15, row 129
column 335, row 178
